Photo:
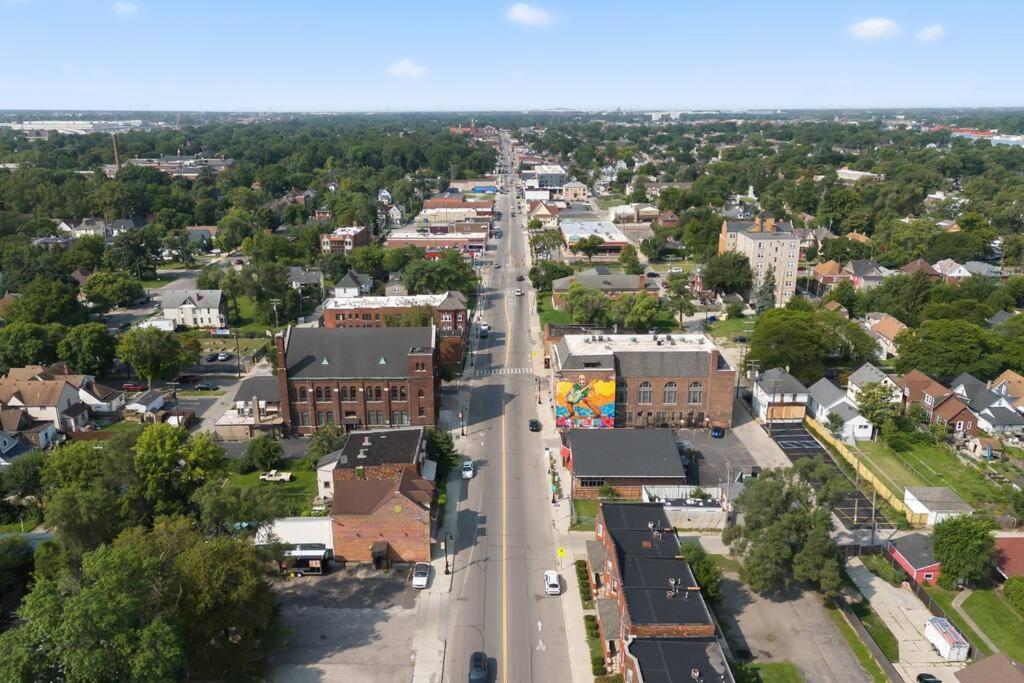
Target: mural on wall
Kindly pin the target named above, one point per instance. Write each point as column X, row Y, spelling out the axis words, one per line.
column 585, row 403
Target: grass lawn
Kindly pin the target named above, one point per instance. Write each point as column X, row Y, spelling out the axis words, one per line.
column 733, row 326
column 933, row 466
column 880, row 633
column 248, row 319
column 945, row 600
column 613, row 200
column 586, row 512
column 122, row 426
column 777, row 672
column 159, row 281
column 297, row 494
column 860, row 650
column 33, row 517
column 998, row 620
column 726, row 563
column 548, row 313
column 200, row 394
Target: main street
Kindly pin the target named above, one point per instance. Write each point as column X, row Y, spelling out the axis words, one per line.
column 505, row 531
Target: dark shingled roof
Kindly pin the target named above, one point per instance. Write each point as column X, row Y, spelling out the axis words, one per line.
column 634, row 516
column 625, row 453
column 917, row 549
column 354, row 352
column 263, row 388
column 673, row 660
column 377, row 447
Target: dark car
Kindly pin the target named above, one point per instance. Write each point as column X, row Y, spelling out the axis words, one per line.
column 211, row 357
column 133, row 386
column 187, row 379
column 740, row 339
column 534, row 425
column 927, row 678
column 653, row 274
column 478, row 667
column 124, row 326
column 519, row 278
column 717, row 432
column 239, row 262
column 206, row 386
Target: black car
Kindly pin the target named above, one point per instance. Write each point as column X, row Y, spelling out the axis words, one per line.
column 927, row 678
column 740, row 339
column 206, row 386
column 519, row 278
column 478, row 667
column 211, row 357
column 534, row 425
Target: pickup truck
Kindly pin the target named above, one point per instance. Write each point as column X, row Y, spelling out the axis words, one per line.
column 274, row 475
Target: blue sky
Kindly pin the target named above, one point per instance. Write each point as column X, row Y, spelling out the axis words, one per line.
column 418, row 55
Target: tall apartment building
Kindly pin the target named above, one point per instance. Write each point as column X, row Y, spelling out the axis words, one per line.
column 766, row 243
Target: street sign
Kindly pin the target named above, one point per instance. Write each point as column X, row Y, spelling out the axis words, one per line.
column 561, row 553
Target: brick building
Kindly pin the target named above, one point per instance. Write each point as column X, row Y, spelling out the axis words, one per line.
column 466, row 243
column 666, row 380
column 344, row 240
column 372, row 455
column 627, row 459
column 674, row 660
column 449, row 313
column 767, row 244
column 358, row 377
column 382, row 520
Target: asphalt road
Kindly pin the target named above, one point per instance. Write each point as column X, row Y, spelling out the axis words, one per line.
column 505, row 532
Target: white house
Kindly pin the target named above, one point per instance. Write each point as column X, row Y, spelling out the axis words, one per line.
column 938, row 502
column 194, row 307
column 779, row 397
column 825, row 398
column 53, row 401
column 353, row 284
column 869, row 374
column 146, row 402
column 995, row 410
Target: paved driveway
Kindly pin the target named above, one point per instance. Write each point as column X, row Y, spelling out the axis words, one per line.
column 905, row 616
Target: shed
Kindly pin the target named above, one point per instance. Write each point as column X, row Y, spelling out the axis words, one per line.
column 146, row 402
column 938, row 503
column 915, row 553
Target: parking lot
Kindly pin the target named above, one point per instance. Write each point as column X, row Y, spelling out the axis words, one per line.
column 854, row 509
column 717, row 460
column 350, row 625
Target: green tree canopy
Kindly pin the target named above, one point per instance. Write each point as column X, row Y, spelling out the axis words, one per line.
column 88, row 349
column 965, row 546
column 729, row 272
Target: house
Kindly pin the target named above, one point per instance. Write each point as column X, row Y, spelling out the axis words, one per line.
column 544, row 212
column 99, row 398
column 826, row 275
column 767, row 244
column 344, row 240
column 633, row 213
column 999, row 317
column 675, row 660
column 146, row 403
column 353, row 283
column 825, row 399
column 984, row 270
column 202, row 235
column 21, row 433
column 997, row 667
column 53, row 401
column 625, row 459
column 869, row 374
column 918, row 388
column 885, row 328
column 668, row 219
column 811, row 238
column 372, row 455
column 995, row 411
column 89, row 227
column 255, row 411
column 858, row 237
column 863, row 274
column 123, row 225
column 938, row 503
column 574, row 191
column 836, row 307
column 611, row 284
column 358, row 377
column 1009, row 556
column 848, row 176
column 915, row 553
column 779, row 397
column 921, row 266
column 1010, row 384
column 299, row 277
column 956, row 415
column 323, row 214
column 194, row 307
column 950, row 271
column 382, row 520
column 640, row 380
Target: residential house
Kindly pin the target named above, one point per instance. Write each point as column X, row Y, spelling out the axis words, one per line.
column 995, row 412
column 921, row 266
column 640, row 380
column 323, row 214
column 610, row 283
column 574, row 191
column 937, row 503
column 918, row 388
column 1009, row 560
column 950, row 271
column 848, row 176
column 836, row 307
column 194, row 307
column 373, row 455
column 353, row 283
column 89, row 227
column 956, row 415
column 1010, row 384
column 984, row 270
column 863, row 274
column 779, row 397
column 21, row 433
column 826, row 275
column 625, row 459
column 869, row 374
column 544, row 212
column 123, row 225
column 997, row 667
column 811, row 238
column 358, row 377
column 100, row 398
column 299, row 277
column 668, row 219
column 382, row 520
column 53, row 401
column 916, row 554
column 767, row 244
column 858, row 237
column 999, row 317
column 146, row 405
column 825, row 399
column 255, row 411
column 885, row 329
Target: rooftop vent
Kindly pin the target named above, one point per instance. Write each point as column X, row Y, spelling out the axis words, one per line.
column 695, row 674
column 362, row 454
column 367, row 441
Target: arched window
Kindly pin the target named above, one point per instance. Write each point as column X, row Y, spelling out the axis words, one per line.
column 696, row 393
column 376, row 393
column 327, row 393
column 671, row 392
column 319, row 394
column 643, row 394
column 419, row 393
column 394, row 393
column 302, row 393
column 402, row 395
column 344, row 393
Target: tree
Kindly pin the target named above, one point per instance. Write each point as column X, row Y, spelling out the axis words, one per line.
column 86, row 252
column 27, row 343
column 15, row 561
column 945, row 348
column 729, row 272
column 793, row 339
column 334, row 265
column 629, row 261
column 156, row 354
column 586, row 306
column 88, row 349
column 109, row 288
column 46, row 301
column 545, row 273
column 262, row 453
column 636, row 311
column 765, row 297
column 965, row 547
column 707, row 574
column 226, row 508
column 874, row 400
column 845, row 294
column 170, row 466
column 547, row 240
column 534, row 224
column 326, row 439
column 135, row 251
column 451, row 272
column 589, row 246
column 22, row 477
column 651, row 248
column 680, row 298
column 417, row 316
column 835, row 423
column 368, row 259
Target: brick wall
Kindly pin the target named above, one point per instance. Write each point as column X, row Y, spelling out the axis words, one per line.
column 629, row 488
column 386, row 471
column 407, row 532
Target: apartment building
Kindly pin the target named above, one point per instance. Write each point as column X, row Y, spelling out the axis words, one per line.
column 767, row 244
column 344, row 240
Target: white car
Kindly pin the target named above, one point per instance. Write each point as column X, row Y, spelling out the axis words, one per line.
column 485, row 326
column 467, row 469
column 552, row 583
column 274, row 475
column 420, row 575
column 519, row 292
column 675, row 269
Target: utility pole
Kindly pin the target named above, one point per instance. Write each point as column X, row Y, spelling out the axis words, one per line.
column 274, row 303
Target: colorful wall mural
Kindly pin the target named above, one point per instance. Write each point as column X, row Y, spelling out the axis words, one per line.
column 585, row 403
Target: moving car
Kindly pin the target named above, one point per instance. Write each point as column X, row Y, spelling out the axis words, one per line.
column 519, row 292
column 467, row 469
column 485, row 327
column 206, row 386
column 223, row 355
column 519, row 278
column 274, row 475
column 133, row 386
column 420, row 575
column 552, row 584
column 478, row 667
column 534, row 425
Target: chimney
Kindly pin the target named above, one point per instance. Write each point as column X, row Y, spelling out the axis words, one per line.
column 281, row 345
column 769, row 223
column 255, row 409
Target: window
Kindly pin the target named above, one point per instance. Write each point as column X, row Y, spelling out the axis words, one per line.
column 327, row 393
column 591, row 482
column 319, row 394
column 376, row 393
column 419, row 393
column 327, row 484
column 330, row 417
column 422, row 411
column 374, row 417
column 621, row 392
column 696, row 393
column 959, row 425
column 399, row 417
column 304, row 419
column 671, row 393
column 344, row 393
column 928, row 576
column 302, row 393
column 394, row 393
column 643, row 394
column 402, row 393
column 320, row 418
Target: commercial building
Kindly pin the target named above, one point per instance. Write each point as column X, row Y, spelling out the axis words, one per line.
column 768, row 245
column 612, row 237
column 643, row 380
column 574, row 191
column 625, row 459
column 344, row 240
column 255, row 411
column 469, row 244
column 357, row 377
column 371, row 456
column 550, row 176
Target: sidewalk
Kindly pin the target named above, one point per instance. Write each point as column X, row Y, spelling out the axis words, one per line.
column 957, row 602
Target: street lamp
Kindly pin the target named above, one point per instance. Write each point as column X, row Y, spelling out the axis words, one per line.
column 444, row 546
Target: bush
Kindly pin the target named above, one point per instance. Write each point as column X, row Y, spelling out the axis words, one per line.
column 262, row 453
column 1013, row 591
column 735, row 310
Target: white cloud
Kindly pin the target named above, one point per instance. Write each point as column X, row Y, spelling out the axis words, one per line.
column 873, row 29
column 521, row 13
column 931, row 34
column 124, row 8
column 406, row 68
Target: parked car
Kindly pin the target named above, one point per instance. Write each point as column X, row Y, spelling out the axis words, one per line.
column 552, row 584
column 519, row 292
column 467, row 469
column 206, row 386
column 187, row 379
column 653, row 274
column 274, row 475
column 712, row 318
column 740, row 339
column 133, row 386
column 210, row 357
column 420, row 575
column 478, row 667
column 124, row 325
column 239, row 261
column 927, row 678
column 717, row 432
column 534, row 425
column 223, row 355
column 519, row 278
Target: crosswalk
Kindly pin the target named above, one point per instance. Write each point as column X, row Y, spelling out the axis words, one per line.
column 503, row 371
column 505, row 292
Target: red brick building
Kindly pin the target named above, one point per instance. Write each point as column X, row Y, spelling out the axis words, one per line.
column 365, row 377
column 449, row 314
column 626, row 459
column 372, row 455
column 344, row 240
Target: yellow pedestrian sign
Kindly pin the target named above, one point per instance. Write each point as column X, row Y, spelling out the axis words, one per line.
column 561, row 553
